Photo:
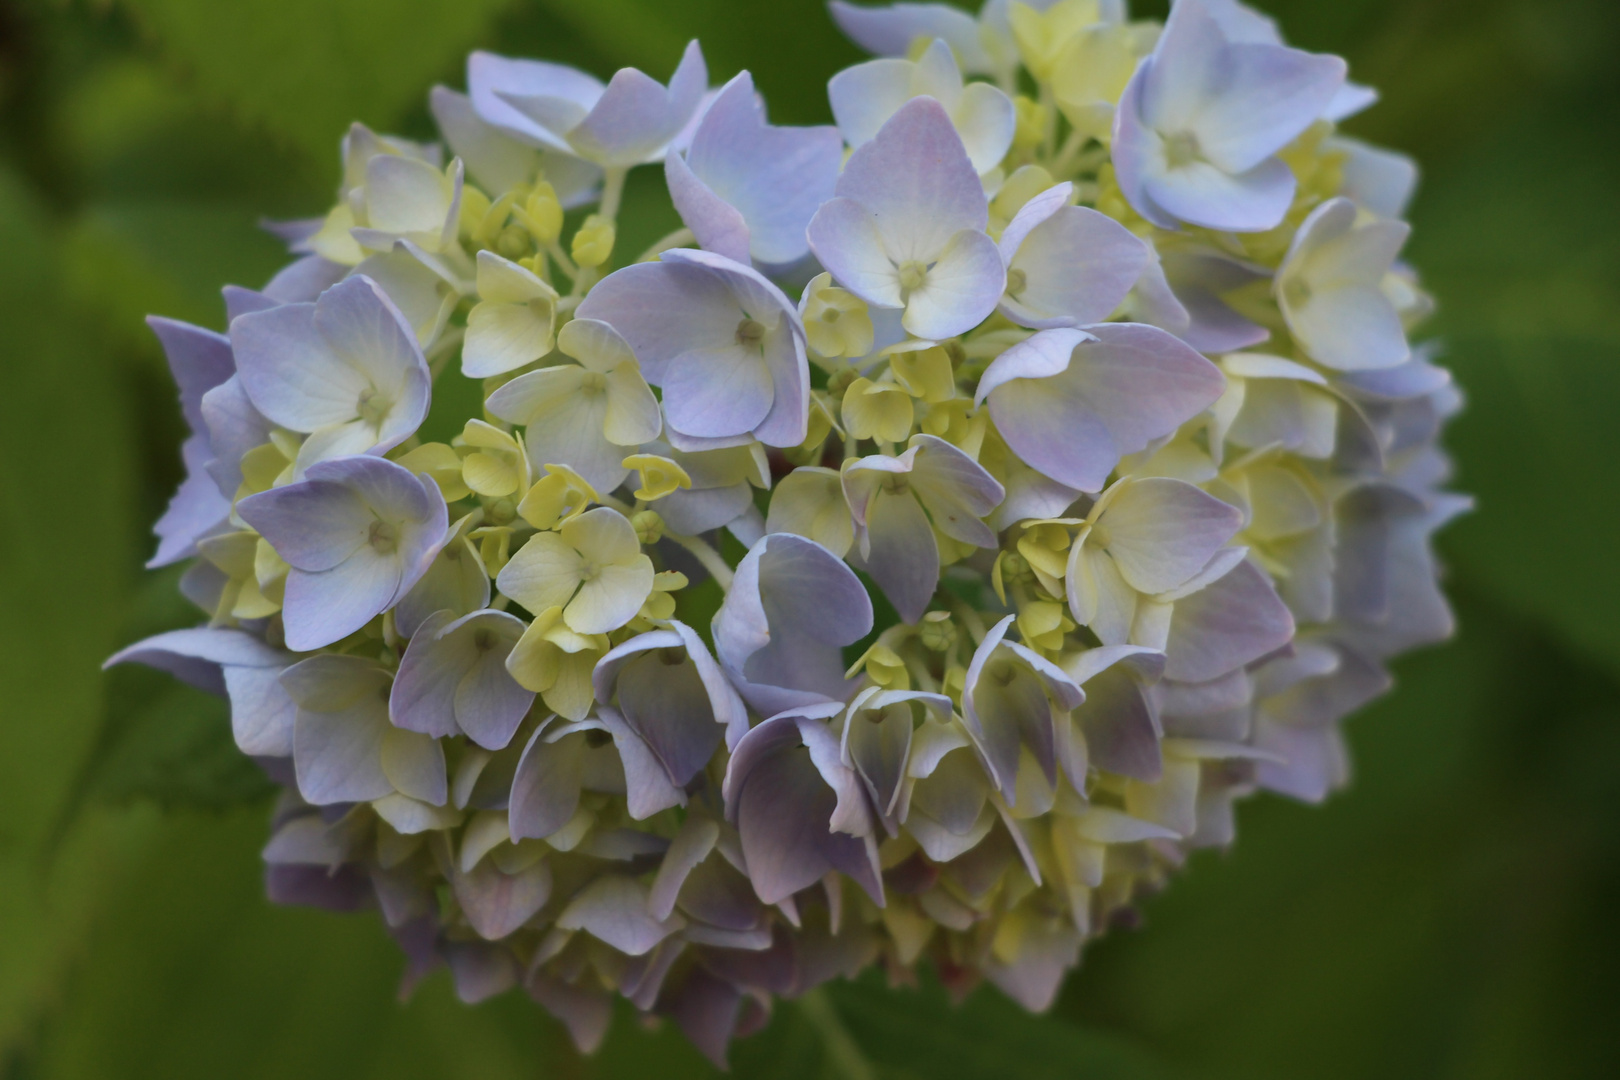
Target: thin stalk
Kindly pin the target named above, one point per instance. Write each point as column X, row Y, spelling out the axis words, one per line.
column 1072, row 146
column 679, row 238
column 843, row 1053
column 612, row 192
column 560, row 257
column 700, row 548
column 710, row 558
column 447, row 346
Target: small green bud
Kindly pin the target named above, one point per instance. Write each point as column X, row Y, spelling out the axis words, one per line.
column 649, row 526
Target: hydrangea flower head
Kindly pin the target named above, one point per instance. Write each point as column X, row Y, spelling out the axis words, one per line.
column 1081, row 469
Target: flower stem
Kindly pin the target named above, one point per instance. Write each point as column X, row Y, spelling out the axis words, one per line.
column 612, row 191
column 705, row 554
column 842, row 1051
column 679, row 238
column 700, row 548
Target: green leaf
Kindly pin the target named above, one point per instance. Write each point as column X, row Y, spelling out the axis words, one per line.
column 1516, row 246
column 305, row 69
column 66, row 529
column 917, row 1034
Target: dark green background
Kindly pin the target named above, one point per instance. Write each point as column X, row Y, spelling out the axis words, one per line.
column 1452, row 915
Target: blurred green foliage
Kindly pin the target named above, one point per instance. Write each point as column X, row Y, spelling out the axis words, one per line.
column 1449, row 917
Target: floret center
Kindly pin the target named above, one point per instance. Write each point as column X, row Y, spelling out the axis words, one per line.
column 372, row 406
column 913, row 275
column 1181, row 150
column 383, row 536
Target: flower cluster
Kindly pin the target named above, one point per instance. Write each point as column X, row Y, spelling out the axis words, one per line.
column 1085, row 487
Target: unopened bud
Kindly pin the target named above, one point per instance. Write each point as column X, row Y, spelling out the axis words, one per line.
column 545, row 213
column 937, row 632
column 593, row 243
column 649, row 526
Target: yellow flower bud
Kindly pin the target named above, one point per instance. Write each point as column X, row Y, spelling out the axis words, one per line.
column 937, row 632
column 593, row 243
column 544, row 214
column 649, row 526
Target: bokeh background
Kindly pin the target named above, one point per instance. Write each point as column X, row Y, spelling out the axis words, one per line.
column 1453, row 915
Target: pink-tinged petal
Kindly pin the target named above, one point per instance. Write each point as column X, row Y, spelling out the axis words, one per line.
column 1126, row 386
column 791, row 608
column 787, row 807
column 715, row 393
column 290, row 372
column 1267, row 96
column 338, row 755
column 196, row 507
column 900, row 553
column 1233, row 622
column 234, row 427
column 492, row 79
column 613, row 909
column 961, row 289
column 321, row 608
column 637, row 118
column 314, row 525
column 496, row 903
column 775, row 177
column 916, row 179
column 788, row 422
column 198, row 359
column 196, row 656
column 424, row 692
column 1201, row 194
column 864, row 96
column 1185, row 71
column 1077, row 267
column 845, row 238
column 1161, row 532
column 892, row 30
column 262, row 714
column 1199, row 278
column 956, row 490
column 664, row 700
column 545, row 788
column 303, row 280
column 718, row 225
column 1120, row 721
column 1379, row 180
